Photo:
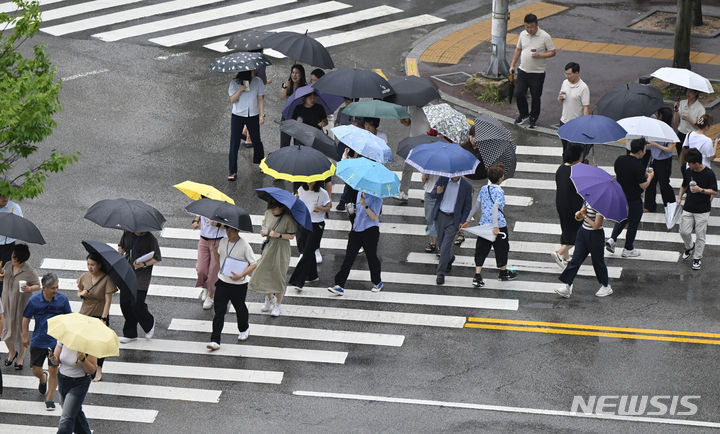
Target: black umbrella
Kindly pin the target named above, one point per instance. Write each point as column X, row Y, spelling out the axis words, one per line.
column 310, row 136
column 630, row 99
column 236, row 62
column 487, row 127
column 354, row 83
column 222, row 212
column 115, row 265
column 412, row 91
column 298, row 164
column 14, row 226
column 301, row 48
column 247, row 41
column 128, row 215
column 409, row 143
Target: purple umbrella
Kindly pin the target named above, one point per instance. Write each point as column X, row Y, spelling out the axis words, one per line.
column 601, row 190
column 329, row 102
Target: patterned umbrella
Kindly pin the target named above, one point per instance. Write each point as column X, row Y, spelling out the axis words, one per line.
column 447, row 121
column 247, row 41
column 509, row 159
column 487, row 127
column 237, row 62
column 364, row 143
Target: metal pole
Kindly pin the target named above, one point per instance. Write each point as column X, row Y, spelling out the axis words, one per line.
column 498, row 67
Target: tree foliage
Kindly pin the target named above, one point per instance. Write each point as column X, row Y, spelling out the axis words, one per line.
column 29, row 95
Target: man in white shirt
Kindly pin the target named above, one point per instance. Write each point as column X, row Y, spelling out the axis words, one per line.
column 574, row 96
column 6, row 243
column 533, row 49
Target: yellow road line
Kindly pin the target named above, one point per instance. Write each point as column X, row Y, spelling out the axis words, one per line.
column 411, row 66
column 593, row 327
column 380, row 73
column 588, row 333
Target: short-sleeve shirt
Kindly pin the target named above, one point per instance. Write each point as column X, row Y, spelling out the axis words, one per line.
column 489, row 196
column 576, row 97
column 247, row 104
column 693, row 112
column 209, row 231
column 312, row 199
column 699, row 202
column 11, row 208
column 362, row 219
column 137, row 246
column 94, row 303
column 310, row 115
column 42, row 310
column 240, row 250
column 659, row 154
column 541, row 42
column 702, row 143
column 630, row 173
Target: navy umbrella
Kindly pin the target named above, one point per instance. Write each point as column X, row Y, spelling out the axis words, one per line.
column 301, row 48
column 236, row 62
column 412, row 91
column 115, row 265
column 297, row 208
column 408, row 143
column 443, row 159
column 310, row 136
column 591, row 129
column 128, row 215
column 632, row 99
column 15, row 226
column 354, row 83
column 222, row 212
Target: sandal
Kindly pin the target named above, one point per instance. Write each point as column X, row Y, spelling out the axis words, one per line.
column 18, row 366
column 430, row 248
column 9, row 362
column 459, row 240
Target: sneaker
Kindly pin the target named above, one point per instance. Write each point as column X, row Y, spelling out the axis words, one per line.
column 208, row 303
column 213, row 346
column 559, row 260
column 521, row 119
column 696, row 264
column 42, row 387
column 340, row 206
column 318, row 256
column 564, row 291
column 49, row 405
column 377, row 288
column 533, row 122
column 361, row 251
column 604, row 291
column 337, row 290
column 630, row 253
column 203, row 294
column 688, row 253
column 244, row 335
column 267, row 307
column 274, row 312
column 150, row 334
column 610, row 245
column 124, row 340
column 403, row 197
column 440, row 279
column 478, row 281
column 507, row 274
column 297, row 288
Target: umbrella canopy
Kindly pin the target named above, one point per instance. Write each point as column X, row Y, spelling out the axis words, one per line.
column 443, row 159
column 409, row 143
column 310, row 136
column 222, row 212
column 329, row 102
column 195, row 191
column 297, row 208
column 591, row 129
column 376, row 109
column 411, row 90
column 300, row 47
column 685, row 78
column 650, row 128
column 489, row 128
column 364, row 143
column 248, row 41
column 447, row 121
column 354, row 83
column 128, row 215
column 15, row 226
column 369, row 177
column 116, row 266
column 298, row 164
column 601, row 190
column 491, row 150
column 236, row 62
column 509, row 160
column 631, row 99
column 84, row 334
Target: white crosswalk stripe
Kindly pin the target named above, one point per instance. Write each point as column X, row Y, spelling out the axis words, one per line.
column 82, row 8
column 123, row 414
column 12, row 6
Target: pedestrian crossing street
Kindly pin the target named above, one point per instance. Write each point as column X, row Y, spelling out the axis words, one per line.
column 211, row 22
column 333, row 328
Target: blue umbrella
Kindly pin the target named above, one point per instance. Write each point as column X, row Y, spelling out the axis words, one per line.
column 329, row 102
column 364, row 143
column 592, row 129
column 368, row 177
column 601, row 190
column 443, row 159
column 297, row 208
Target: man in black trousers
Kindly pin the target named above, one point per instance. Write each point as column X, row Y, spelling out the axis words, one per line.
column 452, row 207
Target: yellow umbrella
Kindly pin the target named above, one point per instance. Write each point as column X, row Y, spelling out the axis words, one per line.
column 195, row 190
column 84, row 334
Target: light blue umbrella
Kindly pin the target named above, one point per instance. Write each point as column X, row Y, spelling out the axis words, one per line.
column 369, row 177
column 443, row 159
column 364, row 143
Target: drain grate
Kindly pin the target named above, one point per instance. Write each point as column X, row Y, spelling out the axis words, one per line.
column 453, row 78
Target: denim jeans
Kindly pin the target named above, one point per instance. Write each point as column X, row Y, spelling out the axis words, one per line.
column 72, row 392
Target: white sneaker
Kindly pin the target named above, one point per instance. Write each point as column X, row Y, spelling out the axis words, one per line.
column 203, row 294
column 213, row 346
column 630, row 253
column 124, row 340
column 318, row 256
column 275, row 310
column 269, row 302
column 604, row 291
column 208, row 303
column 559, row 260
column 610, row 245
column 244, row 335
column 150, row 334
column 564, row 291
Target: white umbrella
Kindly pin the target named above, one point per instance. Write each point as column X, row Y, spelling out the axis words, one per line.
column 650, row 128
column 685, row 78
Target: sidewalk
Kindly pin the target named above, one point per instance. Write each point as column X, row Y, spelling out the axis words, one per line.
column 589, row 35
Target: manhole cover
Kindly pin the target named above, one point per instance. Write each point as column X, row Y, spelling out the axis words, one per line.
column 453, row 78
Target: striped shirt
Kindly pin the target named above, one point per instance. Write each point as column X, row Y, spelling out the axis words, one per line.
column 591, row 213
